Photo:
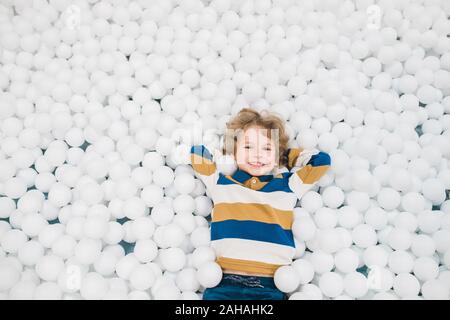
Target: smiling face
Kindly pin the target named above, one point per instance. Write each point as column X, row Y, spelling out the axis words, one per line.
column 255, row 151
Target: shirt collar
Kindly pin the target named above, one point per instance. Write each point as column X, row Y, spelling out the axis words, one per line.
column 242, row 176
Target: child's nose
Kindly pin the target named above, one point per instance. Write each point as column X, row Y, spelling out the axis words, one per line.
column 257, row 157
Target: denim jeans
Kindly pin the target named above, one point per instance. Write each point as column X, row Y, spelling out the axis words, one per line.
column 243, row 287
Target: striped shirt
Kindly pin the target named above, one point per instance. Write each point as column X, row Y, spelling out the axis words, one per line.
column 251, row 225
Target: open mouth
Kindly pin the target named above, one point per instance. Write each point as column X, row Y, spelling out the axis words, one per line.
column 256, row 164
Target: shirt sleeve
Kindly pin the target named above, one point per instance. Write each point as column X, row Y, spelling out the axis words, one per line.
column 292, row 156
column 202, row 162
column 304, row 177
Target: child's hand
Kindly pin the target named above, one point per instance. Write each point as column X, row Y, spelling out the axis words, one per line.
column 305, row 156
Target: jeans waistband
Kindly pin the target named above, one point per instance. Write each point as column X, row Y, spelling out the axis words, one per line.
column 248, row 281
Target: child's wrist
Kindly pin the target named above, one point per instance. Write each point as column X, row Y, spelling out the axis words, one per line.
column 305, row 156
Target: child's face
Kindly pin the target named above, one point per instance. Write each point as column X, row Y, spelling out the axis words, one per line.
column 255, row 151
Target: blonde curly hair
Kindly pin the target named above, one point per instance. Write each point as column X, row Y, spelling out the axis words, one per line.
column 249, row 117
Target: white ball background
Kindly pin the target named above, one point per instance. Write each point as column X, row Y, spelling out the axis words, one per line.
column 97, row 197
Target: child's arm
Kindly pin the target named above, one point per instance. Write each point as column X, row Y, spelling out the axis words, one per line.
column 307, row 167
column 202, row 162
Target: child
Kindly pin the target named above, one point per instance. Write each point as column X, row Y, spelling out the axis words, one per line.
column 253, row 208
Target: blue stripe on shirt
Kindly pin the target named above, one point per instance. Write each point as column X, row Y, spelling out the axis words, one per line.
column 251, row 230
column 276, row 184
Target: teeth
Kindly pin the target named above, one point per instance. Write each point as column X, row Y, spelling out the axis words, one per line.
column 257, row 164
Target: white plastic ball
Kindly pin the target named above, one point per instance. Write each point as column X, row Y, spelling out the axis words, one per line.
column 331, row 284
column 209, row 274
column 355, row 284
column 305, row 270
column 346, row 260
column 406, row 285
column 49, row 267
column 173, row 259
column 142, row 277
column 303, row 228
column 286, row 278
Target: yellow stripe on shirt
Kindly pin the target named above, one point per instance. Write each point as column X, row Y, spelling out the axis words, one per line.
column 309, row 174
column 247, row 265
column 254, row 212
